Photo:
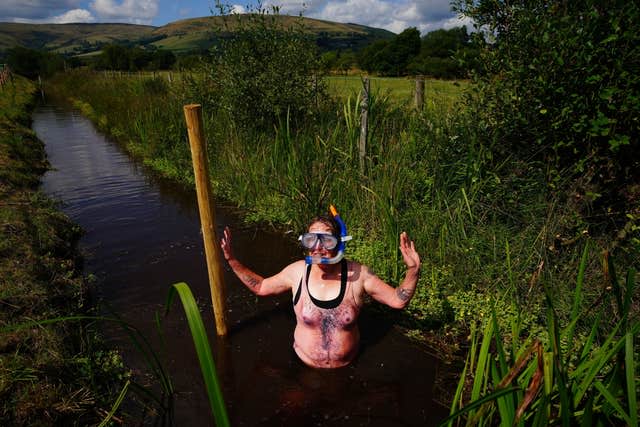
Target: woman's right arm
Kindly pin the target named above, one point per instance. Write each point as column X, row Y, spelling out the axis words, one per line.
column 279, row 283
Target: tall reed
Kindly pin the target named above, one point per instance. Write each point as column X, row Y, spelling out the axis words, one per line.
column 203, row 350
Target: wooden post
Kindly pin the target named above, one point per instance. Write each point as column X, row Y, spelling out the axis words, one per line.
column 364, row 121
column 419, row 96
column 193, row 116
column 40, row 86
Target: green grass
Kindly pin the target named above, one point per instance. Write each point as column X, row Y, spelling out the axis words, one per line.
column 17, row 95
column 438, row 92
column 422, row 173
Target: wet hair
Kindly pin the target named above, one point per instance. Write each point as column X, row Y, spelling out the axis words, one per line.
column 326, row 220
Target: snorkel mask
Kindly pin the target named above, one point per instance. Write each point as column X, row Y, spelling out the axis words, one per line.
column 340, row 246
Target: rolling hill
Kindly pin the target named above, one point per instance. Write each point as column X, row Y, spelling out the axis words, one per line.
column 188, row 35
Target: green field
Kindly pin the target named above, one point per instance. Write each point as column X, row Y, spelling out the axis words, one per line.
column 400, row 89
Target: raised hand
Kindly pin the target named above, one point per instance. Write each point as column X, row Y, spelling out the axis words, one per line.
column 225, row 244
column 409, row 253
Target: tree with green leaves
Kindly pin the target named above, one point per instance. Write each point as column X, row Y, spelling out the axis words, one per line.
column 403, row 48
column 446, row 54
column 266, row 69
column 375, row 58
column 561, row 85
column 124, row 58
column 114, row 57
column 391, row 57
column 32, row 63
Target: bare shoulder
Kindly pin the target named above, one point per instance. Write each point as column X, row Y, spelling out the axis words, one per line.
column 359, row 273
column 363, row 271
column 361, row 277
column 287, row 278
column 369, row 280
column 294, row 270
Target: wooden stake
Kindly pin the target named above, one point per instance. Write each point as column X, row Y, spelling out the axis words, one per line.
column 193, row 116
column 419, row 95
column 364, row 121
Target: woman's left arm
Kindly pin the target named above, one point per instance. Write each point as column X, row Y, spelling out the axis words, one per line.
column 396, row 297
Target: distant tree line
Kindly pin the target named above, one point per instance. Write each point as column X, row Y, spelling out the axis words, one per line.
column 442, row 54
column 32, row 63
column 123, row 58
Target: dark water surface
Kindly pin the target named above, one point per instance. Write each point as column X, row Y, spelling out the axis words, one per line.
column 142, row 235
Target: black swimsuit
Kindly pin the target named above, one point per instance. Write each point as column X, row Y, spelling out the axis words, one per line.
column 322, row 303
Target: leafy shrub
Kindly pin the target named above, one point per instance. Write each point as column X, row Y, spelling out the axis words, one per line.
column 391, row 57
column 561, row 86
column 266, row 69
column 33, row 63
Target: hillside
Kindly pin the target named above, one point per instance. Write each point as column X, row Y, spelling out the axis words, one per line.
column 71, row 39
column 182, row 36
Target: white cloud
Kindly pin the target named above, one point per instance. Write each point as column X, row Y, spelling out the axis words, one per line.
column 457, row 21
column 372, row 13
column 75, row 15
column 295, row 7
column 130, row 11
column 392, row 15
column 238, row 8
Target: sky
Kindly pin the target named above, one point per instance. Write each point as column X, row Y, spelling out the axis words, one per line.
column 392, row 15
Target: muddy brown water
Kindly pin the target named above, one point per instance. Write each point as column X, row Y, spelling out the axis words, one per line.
column 142, row 235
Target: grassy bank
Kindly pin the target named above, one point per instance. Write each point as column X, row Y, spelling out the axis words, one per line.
column 50, row 374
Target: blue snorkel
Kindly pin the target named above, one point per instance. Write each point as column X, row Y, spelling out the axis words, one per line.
column 341, row 244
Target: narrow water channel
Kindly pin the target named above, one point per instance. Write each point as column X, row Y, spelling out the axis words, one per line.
column 142, row 235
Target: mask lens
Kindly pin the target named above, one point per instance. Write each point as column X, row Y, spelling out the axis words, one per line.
column 309, row 240
column 329, row 241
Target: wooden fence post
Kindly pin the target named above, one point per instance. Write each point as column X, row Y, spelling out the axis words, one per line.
column 40, row 86
column 193, row 116
column 364, row 121
column 419, row 95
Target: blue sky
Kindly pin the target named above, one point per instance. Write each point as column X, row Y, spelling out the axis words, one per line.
column 392, row 15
